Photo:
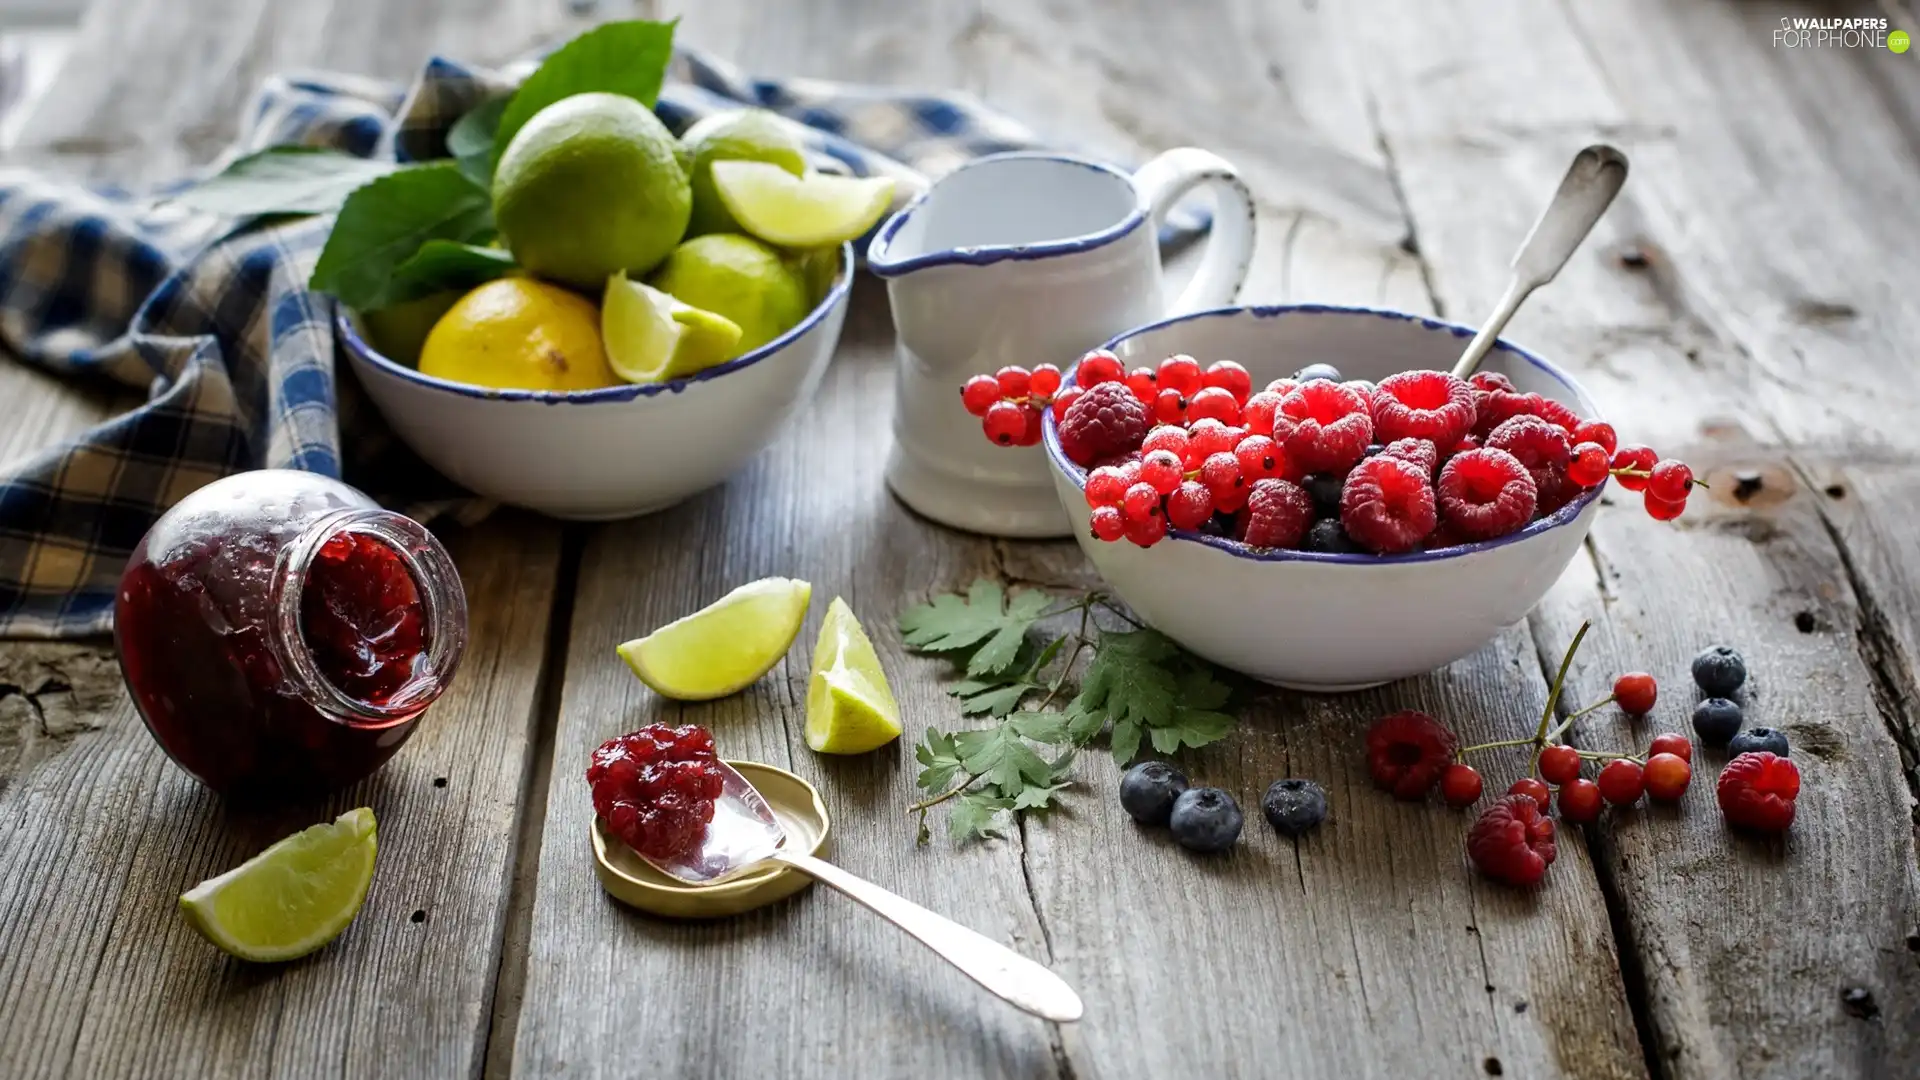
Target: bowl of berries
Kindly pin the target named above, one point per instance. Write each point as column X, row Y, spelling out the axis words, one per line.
column 1304, row 494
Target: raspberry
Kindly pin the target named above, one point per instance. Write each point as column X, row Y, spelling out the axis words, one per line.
column 1621, row 782
column 1406, row 752
column 1555, row 492
column 1143, row 383
column 1636, row 458
column 1046, row 379
column 1166, row 437
column 1512, row 841
column 1541, row 447
column 1278, row 513
column 1486, row 493
column 1097, row 367
column 1106, row 421
column 1190, row 505
column 1107, row 523
column 1141, row 502
column 1635, row 692
column 1559, row 764
column 1580, row 801
column 1757, row 791
column 1588, row 466
column 1672, row 481
column 1169, row 407
column 1672, row 742
column 1460, row 785
column 1180, row 373
column 1005, row 423
column 1489, row 381
column 1221, row 474
column 1555, row 413
column 1418, row 451
column 1323, row 426
column 1667, row 777
column 1282, row 387
column 1430, row 405
column 655, row 788
column 1014, row 381
column 979, row 394
column 1230, row 377
column 1214, row 403
column 1496, row 407
column 1466, row 443
column 1532, row 789
column 1258, row 412
column 1386, row 505
column 1660, row 509
column 1063, row 401
column 1211, row 437
column 1599, row 432
column 1260, row 458
column 1162, row 470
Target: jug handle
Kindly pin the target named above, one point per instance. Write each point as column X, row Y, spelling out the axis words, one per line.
column 1167, row 179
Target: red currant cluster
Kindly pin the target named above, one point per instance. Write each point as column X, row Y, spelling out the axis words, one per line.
column 1421, row 460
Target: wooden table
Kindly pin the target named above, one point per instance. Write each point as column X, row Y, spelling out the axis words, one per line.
column 1752, row 302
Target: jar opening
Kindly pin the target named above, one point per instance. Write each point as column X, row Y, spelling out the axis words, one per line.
column 370, row 617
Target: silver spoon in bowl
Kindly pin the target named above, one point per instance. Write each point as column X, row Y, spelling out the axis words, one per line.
column 744, row 835
column 1592, row 181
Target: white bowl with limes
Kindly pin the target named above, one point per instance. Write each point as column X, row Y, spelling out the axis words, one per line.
column 597, row 455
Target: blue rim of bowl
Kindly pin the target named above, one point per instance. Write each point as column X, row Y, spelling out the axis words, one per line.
column 988, row 254
column 836, row 295
column 1558, row 518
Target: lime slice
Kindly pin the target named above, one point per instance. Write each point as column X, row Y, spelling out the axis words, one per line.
column 293, row 897
column 651, row 337
column 724, row 646
column 850, row 708
column 813, row 210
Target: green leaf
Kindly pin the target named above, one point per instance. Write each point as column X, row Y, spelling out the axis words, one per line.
column 998, row 756
column 1128, row 680
column 952, row 622
column 627, row 58
column 470, row 140
column 385, row 222
column 994, row 699
column 283, row 180
column 1084, row 724
column 444, row 264
column 941, row 759
column 1125, row 741
column 978, row 815
column 1041, row 727
column 1039, row 798
column 1191, row 727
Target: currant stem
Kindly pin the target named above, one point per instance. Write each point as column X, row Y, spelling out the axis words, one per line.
column 1477, row 747
column 1608, row 700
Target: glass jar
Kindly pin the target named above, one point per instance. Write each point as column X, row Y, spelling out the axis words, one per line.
column 281, row 634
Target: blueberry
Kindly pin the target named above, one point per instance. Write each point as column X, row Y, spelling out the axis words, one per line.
column 1754, row 740
column 1294, row 806
column 1375, row 449
column 1327, row 535
column 1719, row 671
column 1205, row 819
column 1325, row 488
column 1317, row 371
column 1716, row 720
column 1148, row 790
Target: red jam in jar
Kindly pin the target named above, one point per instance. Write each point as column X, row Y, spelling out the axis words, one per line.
column 281, row 634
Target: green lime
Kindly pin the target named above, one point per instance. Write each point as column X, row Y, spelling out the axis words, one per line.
column 724, row 646
column 293, row 897
column 400, row 330
column 817, row 267
column 591, row 186
column 742, row 135
column 651, row 337
column 814, row 210
column 850, row 708
column 738, row 278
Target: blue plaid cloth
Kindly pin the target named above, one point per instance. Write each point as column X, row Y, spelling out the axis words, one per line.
column 236, row 358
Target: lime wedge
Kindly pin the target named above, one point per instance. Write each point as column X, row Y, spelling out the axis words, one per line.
column 293, row 897
column 724, row 646
column 652, row 337
column 850, row 708
column 813, row 210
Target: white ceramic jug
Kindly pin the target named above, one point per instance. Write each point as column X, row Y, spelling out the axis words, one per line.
column 1026, row 259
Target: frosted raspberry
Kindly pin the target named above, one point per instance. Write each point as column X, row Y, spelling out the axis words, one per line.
column 1556, row 414
column 1512, row 841
column 1406, row 752
column 1430, row 405
column 1387, row 505
column 1542, row 447
column 1489, row 381
column 1486, row 493
column 1278, row 514
column 1757, row 791
column 1497, row 406
column 1106, row 421
column 1418, row 451
column 1323, row 426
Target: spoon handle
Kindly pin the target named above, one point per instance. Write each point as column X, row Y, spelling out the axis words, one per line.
column 1023, row 983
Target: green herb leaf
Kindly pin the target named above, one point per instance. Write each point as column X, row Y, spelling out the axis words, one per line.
column 627, row 58
column 979, row 696
column 1124, row 741
column 978, row 815
column 998, row 756
column 941, row 760
column 1128, row 680
column 1041, row 727
column 384, row 223
column 470, row 140
column 443, row 264
column 1039, row 798
column 1082, row 723
column 283, row 180
column 984, row 615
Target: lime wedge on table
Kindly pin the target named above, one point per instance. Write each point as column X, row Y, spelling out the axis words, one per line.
column 850, row 708
column 293, row 897
column 651, row 337
column 724, row 646
column 813, row 210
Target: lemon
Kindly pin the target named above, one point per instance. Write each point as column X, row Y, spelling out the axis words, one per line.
column 591, row 185
column 813, row 210
column 519, row 334
column 741, row 135
column 724, row 646
column 651, row 337
column 293, row 897
column 850, row 708
column 740, row 279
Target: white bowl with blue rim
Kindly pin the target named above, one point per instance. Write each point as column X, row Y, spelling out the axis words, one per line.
column 596, row 455
column 1330, row 622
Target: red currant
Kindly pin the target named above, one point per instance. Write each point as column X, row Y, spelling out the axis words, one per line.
column 1147, row 532
column 1230, row 377
column 1459, row 784
column 1671, row 742
column 1533, row 789
column 1190, row 505
column 1166, row 437
column 1580, row 801
column 1180, row 373
column 1559, row 764
column 1221, row 474
column 1258, row 412
column 1106, row 486
column 1169, row 407
column 1660, row 509
column 1005, row 423
column 1064, row 400
column 1031, row 436
column 1259, row 458
column 1014, row 380
column 1621, row 782
column 1213, row 403
column 1161, row 470
column 1141, row 501
column 1636, row 458
column 1045, row 380
column 1141, row 381
column 979, row 394
column 1097, row 367
column 1588, row 468
column 1211, row 437
column 1667, row 777
column 1108, row 523
column 1635, row 692
column 1597, row 431
column 1672, row 481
